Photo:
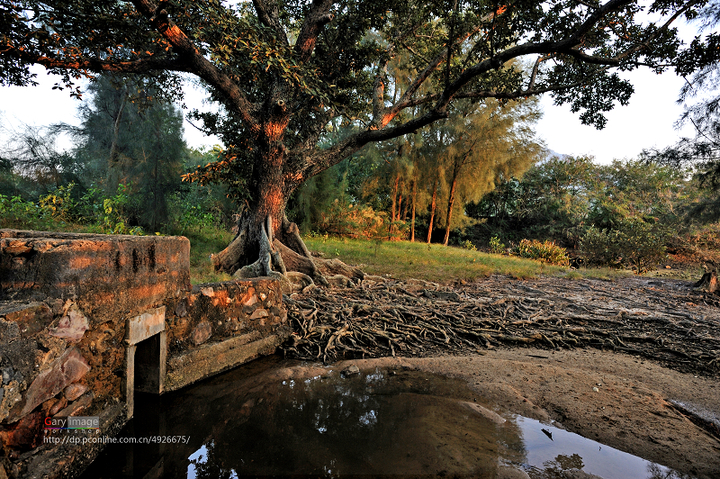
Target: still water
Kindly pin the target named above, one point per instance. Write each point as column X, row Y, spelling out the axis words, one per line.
column 265, row 419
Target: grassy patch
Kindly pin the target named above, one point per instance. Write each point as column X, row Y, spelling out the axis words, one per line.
column 403, row 260
column 202, row 244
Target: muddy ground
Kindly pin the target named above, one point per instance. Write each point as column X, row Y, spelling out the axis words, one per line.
column 632, row 363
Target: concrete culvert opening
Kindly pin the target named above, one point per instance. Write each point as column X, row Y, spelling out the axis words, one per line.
column 147, row 365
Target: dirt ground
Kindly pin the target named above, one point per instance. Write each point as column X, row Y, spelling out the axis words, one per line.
column 632, row 410
column 632, row 363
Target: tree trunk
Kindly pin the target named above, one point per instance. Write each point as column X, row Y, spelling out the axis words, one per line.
column 708, row 282
column 394, row 198
column 400, row 207
column 113, row 171
column 267, row 244
column 412, row 224
column 433, row 203
column 451, row 203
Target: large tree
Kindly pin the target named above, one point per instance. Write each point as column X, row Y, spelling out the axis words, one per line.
column 285, row 70
column 699, row 63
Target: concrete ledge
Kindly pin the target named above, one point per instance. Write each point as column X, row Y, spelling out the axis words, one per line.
column 105, row 274
column 214, row 358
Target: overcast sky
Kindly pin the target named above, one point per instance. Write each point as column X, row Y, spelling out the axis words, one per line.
column 646, row 123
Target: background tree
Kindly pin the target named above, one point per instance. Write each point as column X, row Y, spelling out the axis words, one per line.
column 483, row 144
column 699, row 63
column 284, row 71
column 129, row 138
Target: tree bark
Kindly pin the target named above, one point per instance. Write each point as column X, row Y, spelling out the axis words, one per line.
column 451, row 203
column 394, row 198
column 433, row 203
column 412, row 223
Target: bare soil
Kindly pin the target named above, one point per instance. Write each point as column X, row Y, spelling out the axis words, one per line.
column 632, row 363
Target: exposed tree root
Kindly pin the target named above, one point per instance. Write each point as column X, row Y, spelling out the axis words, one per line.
column 662, row 320
column 709, row 280
column 279, row 254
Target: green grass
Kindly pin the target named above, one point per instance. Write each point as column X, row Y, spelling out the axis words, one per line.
column 403, row 260
column 442, row 264
column 397, row 259
column 203, row 243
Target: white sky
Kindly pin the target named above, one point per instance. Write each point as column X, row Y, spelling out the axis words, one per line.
column 647, row 122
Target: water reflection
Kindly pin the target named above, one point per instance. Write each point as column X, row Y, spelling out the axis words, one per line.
column 267, row 420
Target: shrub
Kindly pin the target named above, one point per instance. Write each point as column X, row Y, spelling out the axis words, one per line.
column 546, row 251
column 496, row 246
column 468, row 245
column 634, row 243
column 358, row 221
column 18, row 213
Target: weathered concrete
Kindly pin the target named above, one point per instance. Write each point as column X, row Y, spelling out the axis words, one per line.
column 211, row 359
column 86, row 320
column 105, row 275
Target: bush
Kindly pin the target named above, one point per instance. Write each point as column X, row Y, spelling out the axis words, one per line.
column 496, row 246
column 468, row 245
column 635, row 244
column 357, row 221
column 54, row 211
column 18, row 213
column 546, row 251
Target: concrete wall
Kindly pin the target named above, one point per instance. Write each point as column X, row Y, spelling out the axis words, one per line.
column 87, row 319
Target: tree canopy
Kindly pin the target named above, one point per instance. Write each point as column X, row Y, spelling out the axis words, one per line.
column 284, row 71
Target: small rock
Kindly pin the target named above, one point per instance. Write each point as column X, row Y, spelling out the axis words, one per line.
column 350, row 371
column 259, row 313
column 74, row 391
column 8, row 331
column 58, row 406
column 249, row 298
column 7, row 374
column 26, row 434
column 67, row 369
column 31, row 318
column 56, row 305
column 201, row 333
column 181, row 308
column 77, row 406
column 72, row 326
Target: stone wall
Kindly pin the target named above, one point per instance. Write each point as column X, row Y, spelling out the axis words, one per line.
column 218, row 326
column 85, row 319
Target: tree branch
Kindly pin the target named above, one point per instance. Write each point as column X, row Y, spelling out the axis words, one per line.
column 353, row 143
column 198, row 64
column 84, row 65
column 318, row 16
column 268, row 16
column 390, row 113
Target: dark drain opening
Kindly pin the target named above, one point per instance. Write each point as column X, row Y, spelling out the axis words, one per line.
column 147, row 365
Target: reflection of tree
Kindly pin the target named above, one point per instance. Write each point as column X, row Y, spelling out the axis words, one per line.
column 556, row 468
column 213, row 468
column 563, row 467
column 657, row 472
